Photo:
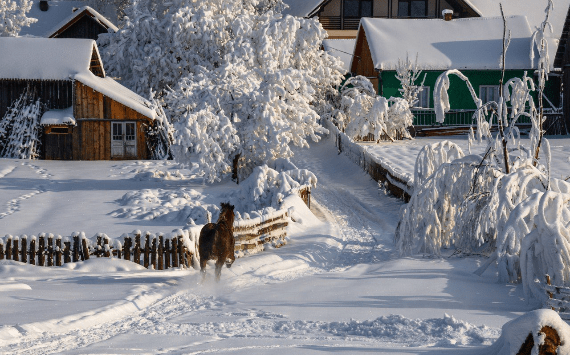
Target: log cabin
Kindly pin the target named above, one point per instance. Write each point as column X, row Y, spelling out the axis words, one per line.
column 89, row 115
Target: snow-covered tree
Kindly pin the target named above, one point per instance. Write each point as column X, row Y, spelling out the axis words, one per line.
column 362, row 112
column 408, row 73
column 20, row 128
column 236, row 77
column 13, row 16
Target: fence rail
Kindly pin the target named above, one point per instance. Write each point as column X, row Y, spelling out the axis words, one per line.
column 558, row 298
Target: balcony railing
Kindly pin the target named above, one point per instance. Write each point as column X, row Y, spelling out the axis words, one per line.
column 336, row 23
column 426, row 117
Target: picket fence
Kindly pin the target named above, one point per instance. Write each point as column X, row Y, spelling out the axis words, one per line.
column 158, row 251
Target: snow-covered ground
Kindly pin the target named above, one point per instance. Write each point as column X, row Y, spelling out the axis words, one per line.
column 337, row 286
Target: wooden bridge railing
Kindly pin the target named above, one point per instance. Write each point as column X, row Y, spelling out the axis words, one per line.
column 558, row 298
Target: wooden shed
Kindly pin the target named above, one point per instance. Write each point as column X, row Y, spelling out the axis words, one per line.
column 83, row 23
column 89, row 116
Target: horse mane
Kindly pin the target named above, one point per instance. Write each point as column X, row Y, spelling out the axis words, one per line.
column 227, row 215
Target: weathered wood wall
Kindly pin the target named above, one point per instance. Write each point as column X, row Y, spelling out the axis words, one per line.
column 94, row 113
column 56, row 94
column 362, row 63
column 85, row 27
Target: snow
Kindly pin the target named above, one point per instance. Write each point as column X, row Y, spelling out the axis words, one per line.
column 471, row 43
column 342, row 48
column 97, row 16
column 301, row 8
column 47, row 20
column 45, row 58
column 58, row 117
column 338, row 285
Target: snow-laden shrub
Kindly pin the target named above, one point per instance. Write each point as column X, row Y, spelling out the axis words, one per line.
column 362, row 112
column 160, row 133
column 431, row 156
column 13, row 16
column 20, row 128
column 266, row 187
column 407, row 74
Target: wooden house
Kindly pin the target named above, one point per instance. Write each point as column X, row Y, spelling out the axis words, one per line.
column 562, row 63
column 89, row 115
column 66, row 19
column 472, row 45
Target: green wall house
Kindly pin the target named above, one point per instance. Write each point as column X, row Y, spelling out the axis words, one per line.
column 472, row 45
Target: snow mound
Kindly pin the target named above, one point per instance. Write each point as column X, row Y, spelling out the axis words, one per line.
column 184, row 205
column 103, row 265
column 516, row 331
column 397, row 329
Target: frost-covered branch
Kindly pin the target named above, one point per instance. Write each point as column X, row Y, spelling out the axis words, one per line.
column 13, row 16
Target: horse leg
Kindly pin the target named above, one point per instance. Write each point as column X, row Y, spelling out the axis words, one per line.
column 203, row 268
column 219, row 264
column 230, row 260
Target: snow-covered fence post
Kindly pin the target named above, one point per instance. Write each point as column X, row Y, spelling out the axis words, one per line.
column 146, row 250
column 174, row 252
column 75, row 247
column 50, row 250
column 58, row 251
column 160, row 265
column 137, row 251
column 15, row 252
column 41, row 249
column 32, row 251
column 153, row 253
column 67, row 251
column 24, row 248
column 1, row 250
column 106, row 246
column 127, row 247
column 181, row 253
column 8, row 247
column 85, row 247
column 167, row 253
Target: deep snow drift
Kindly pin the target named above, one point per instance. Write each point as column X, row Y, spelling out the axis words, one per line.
column 337, row 286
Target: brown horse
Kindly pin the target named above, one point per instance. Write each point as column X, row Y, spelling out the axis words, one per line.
column 217, row 241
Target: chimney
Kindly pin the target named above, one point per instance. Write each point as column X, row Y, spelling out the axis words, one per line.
column 44, row 6
column 447, row 14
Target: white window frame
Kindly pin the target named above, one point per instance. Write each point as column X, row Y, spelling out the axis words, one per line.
column 485, row 98
column 419, row 103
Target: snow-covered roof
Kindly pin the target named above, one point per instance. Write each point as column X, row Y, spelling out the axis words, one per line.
column 470, row 43
column 534, row 12
column 80, row 12
column 44, row 58
column 342, row 48
column 117, row 92
column 47, row 20
column 301, row 8
column 58, row 117
column 63, row 59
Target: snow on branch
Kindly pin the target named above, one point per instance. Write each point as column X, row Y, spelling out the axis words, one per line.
column 13, row 16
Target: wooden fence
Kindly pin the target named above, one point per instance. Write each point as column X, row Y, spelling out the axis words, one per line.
column 162, row 251
column 558, row 298
column 377, row 170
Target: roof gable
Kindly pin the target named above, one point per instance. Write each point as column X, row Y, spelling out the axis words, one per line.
column 303, row 8
column 561, row 50
column 47, row 20
column 471, row 43
column 78, row 15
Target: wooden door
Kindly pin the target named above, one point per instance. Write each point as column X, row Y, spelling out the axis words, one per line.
column 123, row 140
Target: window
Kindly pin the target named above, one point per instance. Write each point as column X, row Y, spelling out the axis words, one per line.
column 423, row 97
column 412, row 8
column 357, row 8
column 489, row 93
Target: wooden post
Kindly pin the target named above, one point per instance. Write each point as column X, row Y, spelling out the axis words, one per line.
column 137, row 251
column 9, row 247
column 181, row 251
column 15, row 252
column 106, row 247
column 41, row 251
column 75, row 248
column 99, row 247
column 167, row 253
column 119, row 251
column 174, row 252
column 1, row 250
column 550, row 295
column 146, row 250
column 50, row 251
column 127, row 246
column 33, row 251
column 24, row 249
column 153, row 254
column 85, row 249
column 67, row 252
column 160, row 265
column 58, row 251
